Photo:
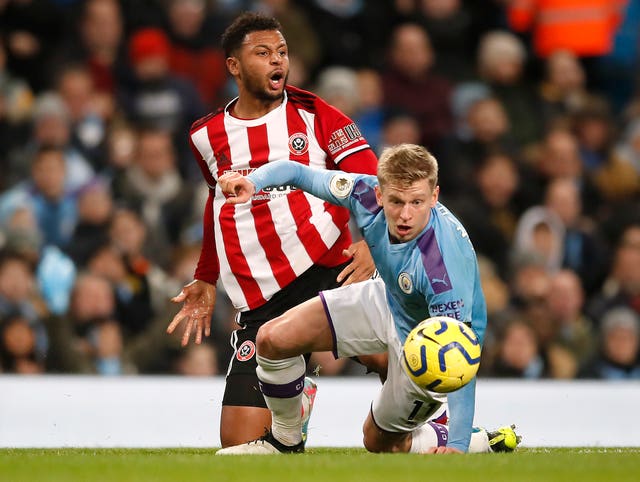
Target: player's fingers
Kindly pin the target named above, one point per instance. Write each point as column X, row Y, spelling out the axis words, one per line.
column 180, row 297
column 207, row 326
column 198, row 328
column 187, row 333
column 345, row 273
column 175, row 322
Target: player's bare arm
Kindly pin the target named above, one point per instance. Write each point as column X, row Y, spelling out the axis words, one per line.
column 199, row 299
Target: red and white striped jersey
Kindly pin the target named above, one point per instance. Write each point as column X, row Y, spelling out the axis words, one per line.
column 263, row 245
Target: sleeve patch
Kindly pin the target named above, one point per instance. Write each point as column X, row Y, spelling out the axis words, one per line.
column 344, row 137
column 341, row 186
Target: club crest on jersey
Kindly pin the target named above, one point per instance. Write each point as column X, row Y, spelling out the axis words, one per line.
column 405, row 283
column 246, row 351
column 298, row 144
column 340, row 186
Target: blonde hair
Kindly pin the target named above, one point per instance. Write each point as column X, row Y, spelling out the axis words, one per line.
column 405, row 164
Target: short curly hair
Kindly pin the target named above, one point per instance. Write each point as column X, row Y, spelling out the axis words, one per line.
column 244, row 24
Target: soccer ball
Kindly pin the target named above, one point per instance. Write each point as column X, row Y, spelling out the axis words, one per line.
column 441, row 354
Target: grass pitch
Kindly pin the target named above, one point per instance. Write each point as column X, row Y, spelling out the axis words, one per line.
column 317, row 465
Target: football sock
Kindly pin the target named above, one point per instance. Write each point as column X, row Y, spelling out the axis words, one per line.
column 429, row 435
column 433, row 434
column 479, row 443
column 281, row 383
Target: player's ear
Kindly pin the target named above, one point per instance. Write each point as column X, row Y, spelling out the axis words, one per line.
column 378, row 195
column 434, row 196
column 232, row 65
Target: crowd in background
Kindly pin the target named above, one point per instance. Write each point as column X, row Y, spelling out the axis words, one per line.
column 537, row 137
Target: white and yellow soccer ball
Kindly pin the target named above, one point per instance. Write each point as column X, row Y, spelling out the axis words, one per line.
column 441, row 354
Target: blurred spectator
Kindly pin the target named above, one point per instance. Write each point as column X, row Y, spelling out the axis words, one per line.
column 195, row 53
column 501, row 62
column 585, row 28
column 619, row 179
column 594, row 129
column 88, row 116
column 619, row 355
column 339, row 87
column 576, row 333
column 16, row 95
column 583, row 250
column 54, row 207
column 539, row 236
column 563, row 89
column 19, row 292
column 487, row 207
column 398, row 127
column 410, row 84
column 154, row 97
column 370, row 116
column 51, row 127
column 152, row 184
column 622, row 286
column 88, row 338
column 486, row 132
column 54, row 271
column 31, row 29
column 450, row 29
column 559, row 157
column 518, row 353
column 358, row 30
column 19, row 351
column 95, row 208
column 100, row 44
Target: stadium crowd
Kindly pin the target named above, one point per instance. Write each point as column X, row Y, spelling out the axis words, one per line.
column 537, row 137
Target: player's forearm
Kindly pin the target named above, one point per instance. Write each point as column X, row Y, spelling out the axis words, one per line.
column 461, row 411
column 287, row 173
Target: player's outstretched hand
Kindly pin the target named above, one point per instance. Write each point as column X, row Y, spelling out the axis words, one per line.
column 361, row 267
column 443, row 450
column 199, row 298
column 238, row 188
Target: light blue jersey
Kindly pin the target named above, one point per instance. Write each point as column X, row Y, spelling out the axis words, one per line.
column 434, row 274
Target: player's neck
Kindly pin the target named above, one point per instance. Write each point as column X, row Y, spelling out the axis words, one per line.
column 249, row 107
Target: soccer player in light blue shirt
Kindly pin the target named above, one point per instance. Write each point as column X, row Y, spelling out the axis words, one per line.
column 429, row 268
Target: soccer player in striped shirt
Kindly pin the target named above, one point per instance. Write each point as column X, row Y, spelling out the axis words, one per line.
column 286, row 245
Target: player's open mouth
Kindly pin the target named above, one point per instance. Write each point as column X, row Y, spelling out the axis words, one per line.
column 276, row 80
column 403, row 230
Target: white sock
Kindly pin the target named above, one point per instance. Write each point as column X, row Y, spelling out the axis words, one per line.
column 433, row 434
column 479, row 442
column 282, row 382
column 429, row 435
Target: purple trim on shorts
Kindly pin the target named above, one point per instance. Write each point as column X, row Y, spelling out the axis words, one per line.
column 366, row 196
column 441, row 433
column 331, row 327
column 288, row 390
column 433, row 262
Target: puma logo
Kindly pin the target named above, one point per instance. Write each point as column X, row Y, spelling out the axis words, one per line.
column 442, row 280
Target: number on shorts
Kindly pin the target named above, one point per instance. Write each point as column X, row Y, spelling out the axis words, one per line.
column 417, row 405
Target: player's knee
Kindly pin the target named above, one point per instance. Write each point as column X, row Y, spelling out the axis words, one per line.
column 266, row 341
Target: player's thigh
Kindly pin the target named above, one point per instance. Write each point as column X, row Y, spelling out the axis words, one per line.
column 301, row 329
column 359, row 318
column 402, row 406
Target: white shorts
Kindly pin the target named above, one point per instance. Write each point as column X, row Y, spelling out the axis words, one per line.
column 362, row 324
